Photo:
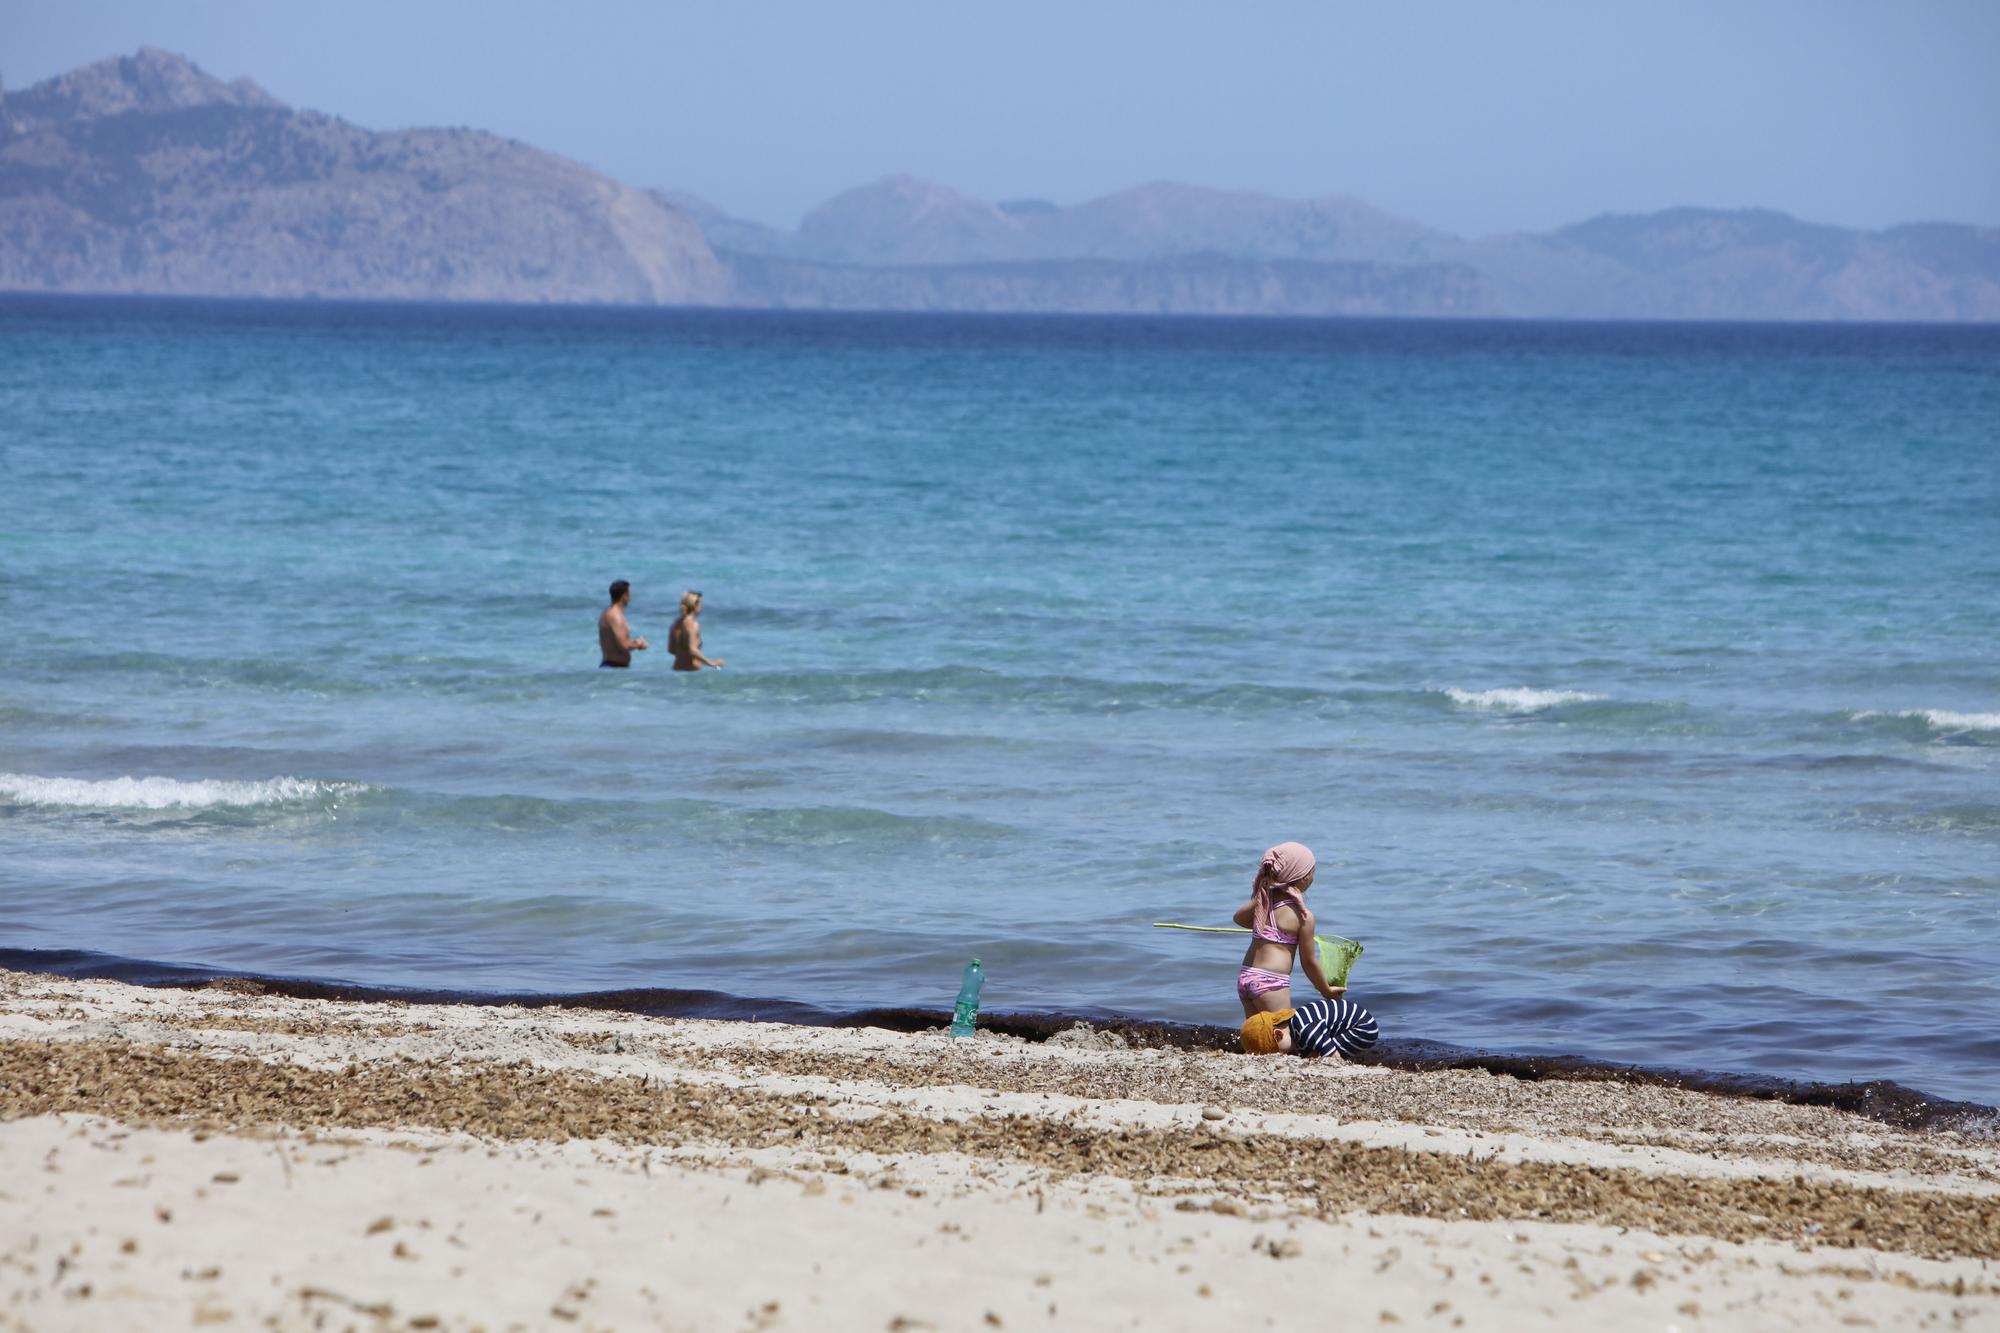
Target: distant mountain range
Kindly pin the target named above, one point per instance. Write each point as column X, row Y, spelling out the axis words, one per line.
column 144, row 174
column 1339, row 255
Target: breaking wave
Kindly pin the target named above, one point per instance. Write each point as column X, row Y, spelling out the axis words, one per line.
column 1519, row 699
column 1939, row 721
column 155, row 793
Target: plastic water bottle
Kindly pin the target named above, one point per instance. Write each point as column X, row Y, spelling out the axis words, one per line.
column 966, row 1012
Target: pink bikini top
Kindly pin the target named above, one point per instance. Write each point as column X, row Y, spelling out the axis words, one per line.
column 1263, row 923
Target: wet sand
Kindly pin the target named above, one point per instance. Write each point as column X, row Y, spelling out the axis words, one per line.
column 211, row 1157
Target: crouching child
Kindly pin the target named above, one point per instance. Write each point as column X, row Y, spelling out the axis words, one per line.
column 1315, row 1028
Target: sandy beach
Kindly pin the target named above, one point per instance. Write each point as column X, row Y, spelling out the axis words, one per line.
column 224, row 1158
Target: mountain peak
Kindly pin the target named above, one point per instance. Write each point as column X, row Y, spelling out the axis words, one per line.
column 1654, row 241
column 151, row 80
column 145, row 174
column 905, row 191
column 903, row 219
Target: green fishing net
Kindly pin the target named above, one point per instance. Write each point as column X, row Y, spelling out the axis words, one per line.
column 1336, row 957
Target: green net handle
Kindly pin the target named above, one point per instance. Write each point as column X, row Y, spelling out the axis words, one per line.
column 1336, row 952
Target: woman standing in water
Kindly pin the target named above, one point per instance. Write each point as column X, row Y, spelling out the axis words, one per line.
column 684, row 639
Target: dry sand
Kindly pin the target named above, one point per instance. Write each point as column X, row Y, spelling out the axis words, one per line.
column 178, row 1158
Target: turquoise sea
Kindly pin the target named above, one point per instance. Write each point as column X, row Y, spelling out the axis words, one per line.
column 1637, row 685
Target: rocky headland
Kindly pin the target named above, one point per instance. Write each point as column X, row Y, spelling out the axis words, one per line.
column 146, row 175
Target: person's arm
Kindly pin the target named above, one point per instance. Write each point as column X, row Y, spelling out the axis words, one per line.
column 1309, row 958
column 1246, row 915
column 625, row 639
column 693, row 633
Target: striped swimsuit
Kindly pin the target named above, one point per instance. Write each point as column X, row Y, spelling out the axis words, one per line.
column 1323, row 1027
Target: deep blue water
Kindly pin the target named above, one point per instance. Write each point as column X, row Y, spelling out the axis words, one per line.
column 1638, row 685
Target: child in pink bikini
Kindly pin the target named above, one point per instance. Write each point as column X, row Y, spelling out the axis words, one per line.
column 1281, row 930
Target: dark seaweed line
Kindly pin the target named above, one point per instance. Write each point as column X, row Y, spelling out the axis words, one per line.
column 1881, row 1100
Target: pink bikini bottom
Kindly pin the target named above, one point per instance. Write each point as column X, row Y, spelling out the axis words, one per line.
column 1261, row 981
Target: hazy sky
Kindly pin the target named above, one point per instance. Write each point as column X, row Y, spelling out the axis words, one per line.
column 1474, row 117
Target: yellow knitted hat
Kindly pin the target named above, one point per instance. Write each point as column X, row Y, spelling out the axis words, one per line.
column 1260, row 1031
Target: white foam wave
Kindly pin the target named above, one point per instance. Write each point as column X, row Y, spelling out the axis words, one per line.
column 1519, row 699
column 1943, row 719
column 161, row 793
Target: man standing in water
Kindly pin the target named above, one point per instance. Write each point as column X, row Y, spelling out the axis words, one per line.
column 614, row 636
column 684, row 639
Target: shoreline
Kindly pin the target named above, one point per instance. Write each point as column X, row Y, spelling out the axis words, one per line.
column 212, row 1155
column 1882, row 1100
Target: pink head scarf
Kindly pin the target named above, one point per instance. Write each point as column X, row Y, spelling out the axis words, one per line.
column 1282, row 866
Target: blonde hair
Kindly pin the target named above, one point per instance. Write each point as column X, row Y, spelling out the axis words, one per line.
column 689, row 600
